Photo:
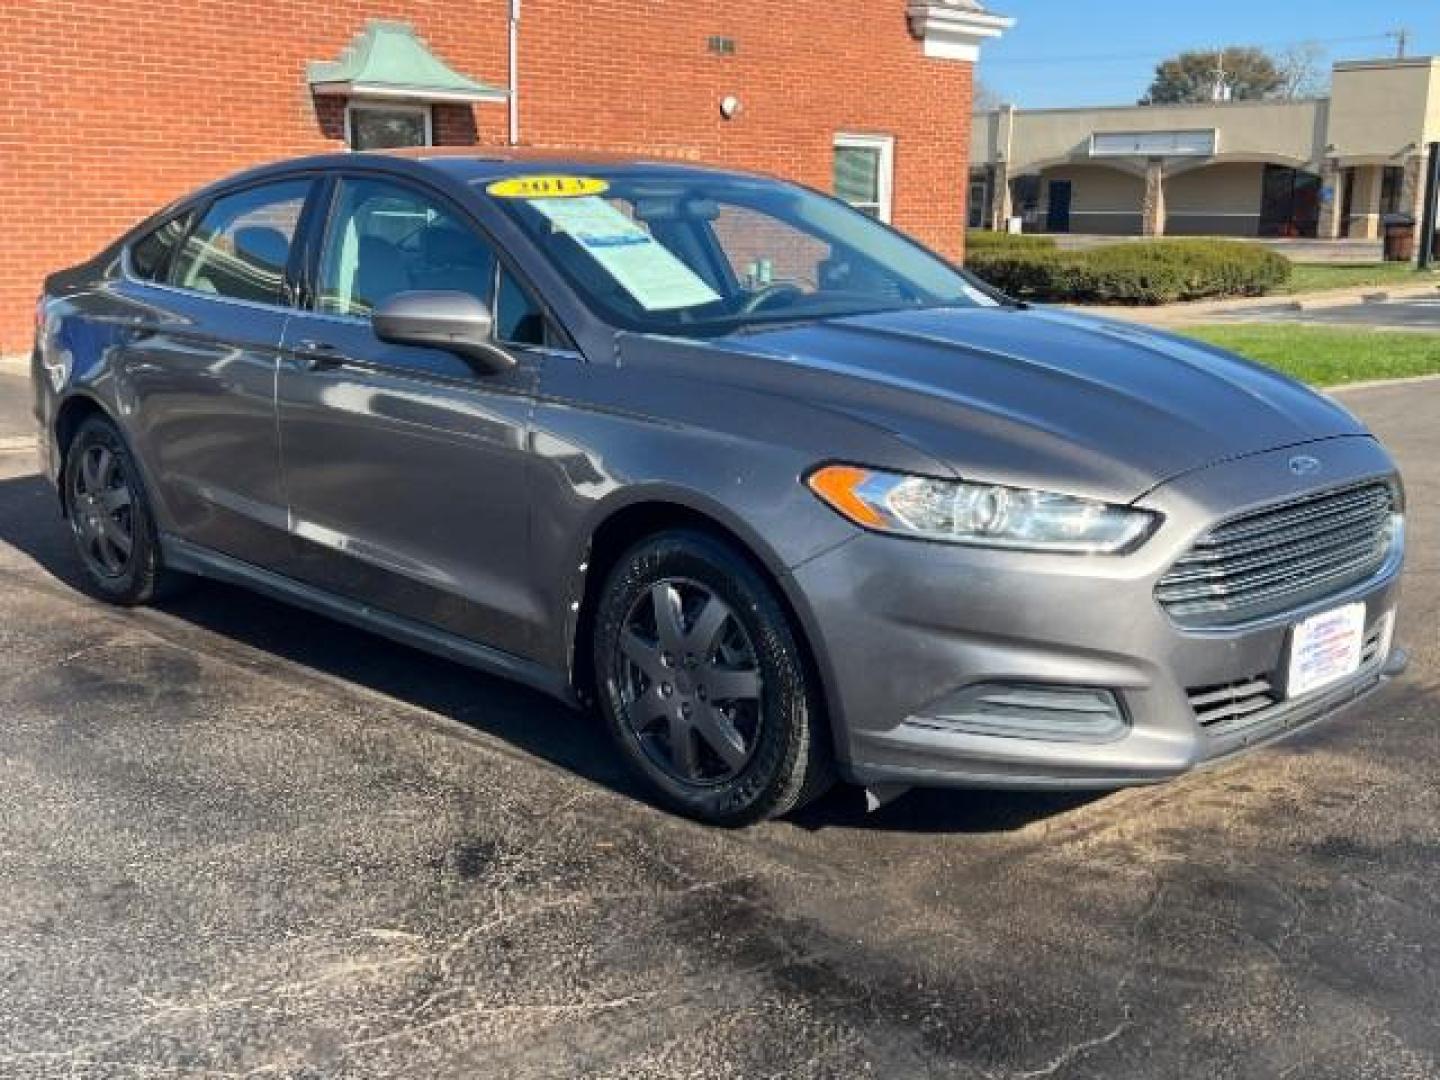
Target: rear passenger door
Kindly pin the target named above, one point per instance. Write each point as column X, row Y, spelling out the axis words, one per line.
column 406, row 467
column 200, row 367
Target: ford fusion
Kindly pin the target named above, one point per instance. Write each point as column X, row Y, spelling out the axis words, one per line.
column 783, row 495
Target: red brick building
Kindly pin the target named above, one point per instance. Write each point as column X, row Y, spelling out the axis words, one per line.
column 110, row 108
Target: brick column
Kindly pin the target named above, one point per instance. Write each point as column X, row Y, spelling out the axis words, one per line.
column 1152, row 210
column 1412, row 187
column 1332, row 178
column 1412, row 193
column 1365, row 217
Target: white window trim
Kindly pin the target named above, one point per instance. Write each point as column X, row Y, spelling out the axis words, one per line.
column 427, row 111
column 886, row 145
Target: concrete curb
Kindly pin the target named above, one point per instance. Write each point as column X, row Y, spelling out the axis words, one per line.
column 1372, row 384
column 1199, row 311
column 1345, row 297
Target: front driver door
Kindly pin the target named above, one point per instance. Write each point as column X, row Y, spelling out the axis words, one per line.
column 406, row 467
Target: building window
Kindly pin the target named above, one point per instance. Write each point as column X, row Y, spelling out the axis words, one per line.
column 979, row 204
column 380, row 127
column 865, row 172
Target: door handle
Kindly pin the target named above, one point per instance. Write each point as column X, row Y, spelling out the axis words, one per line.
column 318, row 355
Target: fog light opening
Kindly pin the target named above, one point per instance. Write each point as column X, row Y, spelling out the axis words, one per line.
column 1029, row 711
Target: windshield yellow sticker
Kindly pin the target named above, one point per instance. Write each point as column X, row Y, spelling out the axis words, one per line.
column 547, row 187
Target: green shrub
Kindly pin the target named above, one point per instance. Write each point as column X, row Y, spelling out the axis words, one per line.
column 981, row 240
column 1142, row 272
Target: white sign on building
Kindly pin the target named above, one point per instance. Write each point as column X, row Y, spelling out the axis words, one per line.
column 1200, row 143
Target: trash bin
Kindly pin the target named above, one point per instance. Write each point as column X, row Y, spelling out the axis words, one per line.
column 1399, row 237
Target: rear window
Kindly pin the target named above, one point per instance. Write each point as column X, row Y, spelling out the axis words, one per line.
column 150, row 255
column 239, row 248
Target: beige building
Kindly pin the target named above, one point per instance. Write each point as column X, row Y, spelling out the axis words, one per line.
column 1327, row 167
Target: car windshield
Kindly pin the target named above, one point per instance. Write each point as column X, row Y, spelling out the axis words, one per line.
column 693, row 254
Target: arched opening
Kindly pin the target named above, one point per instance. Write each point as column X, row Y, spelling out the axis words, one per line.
column 1081, row 198
column 1220, row 199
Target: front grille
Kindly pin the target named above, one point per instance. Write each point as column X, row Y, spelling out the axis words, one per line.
column 1280, row 557
column 1230, row 706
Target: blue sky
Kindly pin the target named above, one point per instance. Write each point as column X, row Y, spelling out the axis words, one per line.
column 1104, row 53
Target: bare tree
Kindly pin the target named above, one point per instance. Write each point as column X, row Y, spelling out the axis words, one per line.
column 1302, row 71
column 987, row 99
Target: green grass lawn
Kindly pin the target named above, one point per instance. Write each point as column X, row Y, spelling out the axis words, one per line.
column 1324, row 356
column 1314, row 277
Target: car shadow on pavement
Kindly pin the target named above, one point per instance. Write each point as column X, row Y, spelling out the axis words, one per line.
column 530, row 721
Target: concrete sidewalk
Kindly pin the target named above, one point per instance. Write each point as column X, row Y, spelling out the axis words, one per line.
column 1201, row 311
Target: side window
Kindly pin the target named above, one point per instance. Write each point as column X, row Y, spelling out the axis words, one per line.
column 240, row 247
column 518, row 318
column 150, row 255
column 386, row 238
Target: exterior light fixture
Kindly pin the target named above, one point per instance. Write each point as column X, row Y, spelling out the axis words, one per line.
column 729, row 106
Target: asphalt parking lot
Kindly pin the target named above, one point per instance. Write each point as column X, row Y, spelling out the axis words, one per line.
column 1417, row 315
column 238, row 840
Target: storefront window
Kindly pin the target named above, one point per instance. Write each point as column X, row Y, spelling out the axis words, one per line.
column 379, row 127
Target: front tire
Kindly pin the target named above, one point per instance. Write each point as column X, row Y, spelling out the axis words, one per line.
column 703, row 683
column 110, row 518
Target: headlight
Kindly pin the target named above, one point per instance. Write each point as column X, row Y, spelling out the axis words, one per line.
column 986, row 515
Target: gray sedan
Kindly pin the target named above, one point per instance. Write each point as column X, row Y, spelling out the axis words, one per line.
column 782, row 494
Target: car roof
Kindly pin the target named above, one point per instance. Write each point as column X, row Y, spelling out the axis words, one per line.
column 468, row 164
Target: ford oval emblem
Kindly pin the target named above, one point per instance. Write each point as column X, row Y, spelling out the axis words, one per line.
column 1304, row 465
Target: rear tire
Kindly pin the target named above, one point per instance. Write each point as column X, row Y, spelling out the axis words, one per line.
column 111, row 522
column 703, row 683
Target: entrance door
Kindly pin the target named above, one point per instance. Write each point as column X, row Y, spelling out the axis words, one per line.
column 1290, row 204
column 1347, row 201
column 979, row 197
column 1057, row 220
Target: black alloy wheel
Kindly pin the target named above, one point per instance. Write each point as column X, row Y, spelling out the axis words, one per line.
column 703, row 682
column 689, row 682
column 102, row 506
column 110, row 517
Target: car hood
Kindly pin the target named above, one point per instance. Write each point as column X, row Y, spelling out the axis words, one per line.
column 1047, row 398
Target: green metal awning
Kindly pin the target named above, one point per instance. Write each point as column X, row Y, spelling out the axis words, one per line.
column 388, row 61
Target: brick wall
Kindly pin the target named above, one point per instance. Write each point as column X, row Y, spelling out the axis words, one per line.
column 110, row 109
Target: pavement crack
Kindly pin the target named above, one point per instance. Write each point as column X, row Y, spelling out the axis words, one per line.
column 579, row 1009
column 1070, row 1053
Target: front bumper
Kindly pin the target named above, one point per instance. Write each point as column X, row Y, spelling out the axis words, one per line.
column 902, row 625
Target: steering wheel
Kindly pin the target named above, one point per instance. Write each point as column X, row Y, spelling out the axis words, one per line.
column 761, row 298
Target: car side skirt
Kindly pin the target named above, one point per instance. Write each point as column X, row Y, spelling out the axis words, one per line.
column 189, row 558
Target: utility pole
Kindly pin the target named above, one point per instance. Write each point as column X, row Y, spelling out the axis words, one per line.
column 1402, row 40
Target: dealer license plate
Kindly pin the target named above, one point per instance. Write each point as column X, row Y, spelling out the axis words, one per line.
column 1325, row 648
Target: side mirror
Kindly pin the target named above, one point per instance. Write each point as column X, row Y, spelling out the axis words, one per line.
column 450, row 320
